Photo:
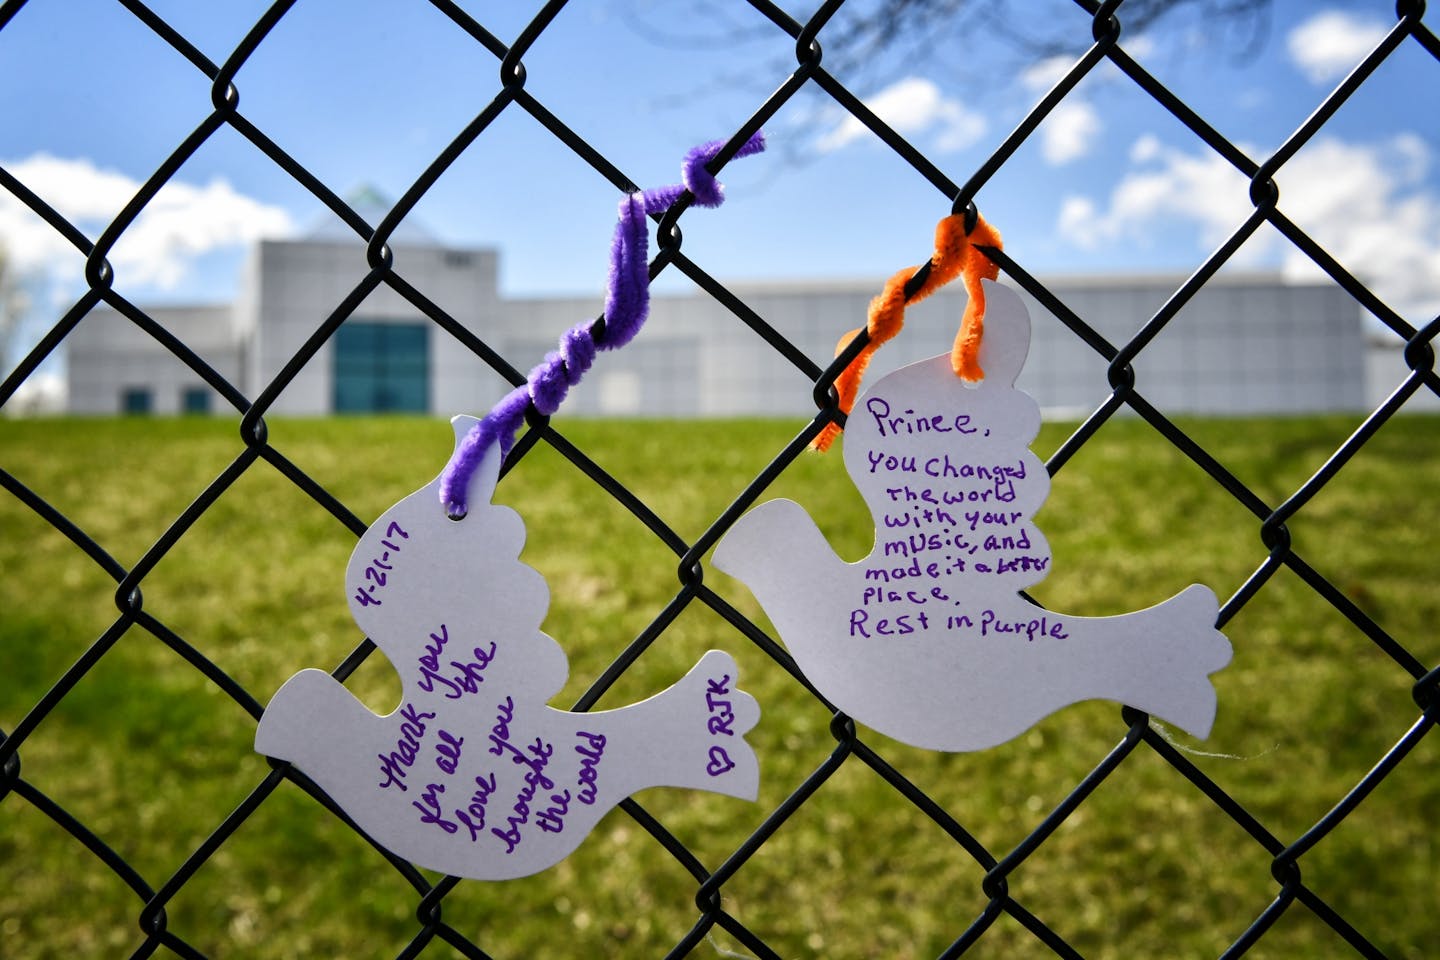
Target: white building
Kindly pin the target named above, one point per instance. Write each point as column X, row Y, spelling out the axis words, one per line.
column 1243, row 345
column 115, row 367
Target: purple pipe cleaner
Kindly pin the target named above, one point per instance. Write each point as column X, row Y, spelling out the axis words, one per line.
column 627, row 304
column 627, row 294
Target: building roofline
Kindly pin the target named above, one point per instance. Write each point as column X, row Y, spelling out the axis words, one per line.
column 873, row 285
column 356, row 242
column 184, row 306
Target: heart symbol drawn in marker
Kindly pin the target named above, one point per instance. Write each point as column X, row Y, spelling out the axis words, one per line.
column 720, row 762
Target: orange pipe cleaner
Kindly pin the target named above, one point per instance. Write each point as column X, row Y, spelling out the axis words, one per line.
column 956, row 254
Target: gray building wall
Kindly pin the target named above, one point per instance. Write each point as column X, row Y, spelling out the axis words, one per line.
column 1386, row 371
column 109, row 355
column 1245, row 344
column 1242, row 345
column 298, row 284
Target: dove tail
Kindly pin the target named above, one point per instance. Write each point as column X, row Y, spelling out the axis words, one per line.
column 707, row 716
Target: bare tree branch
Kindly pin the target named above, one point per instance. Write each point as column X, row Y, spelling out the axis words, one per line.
column 870, row 44
column 867, row 37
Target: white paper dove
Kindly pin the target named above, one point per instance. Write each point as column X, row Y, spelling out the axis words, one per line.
column 474, row 775
column 927, row 639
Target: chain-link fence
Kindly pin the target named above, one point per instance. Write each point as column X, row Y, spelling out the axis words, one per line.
column 1242, row 825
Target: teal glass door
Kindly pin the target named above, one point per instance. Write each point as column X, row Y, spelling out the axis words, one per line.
column 382, row 368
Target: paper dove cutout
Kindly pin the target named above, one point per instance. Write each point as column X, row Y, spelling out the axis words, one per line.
column 927, row 639
column 474, row 775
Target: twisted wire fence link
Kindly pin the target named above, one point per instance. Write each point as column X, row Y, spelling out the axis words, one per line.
column 175, row 871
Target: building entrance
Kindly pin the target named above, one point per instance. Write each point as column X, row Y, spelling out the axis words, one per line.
column 382, row 368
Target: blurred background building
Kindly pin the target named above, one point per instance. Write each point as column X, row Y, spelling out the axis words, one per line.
column 1243, row 345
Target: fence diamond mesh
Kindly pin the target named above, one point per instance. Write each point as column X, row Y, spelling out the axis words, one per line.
column 698, row 879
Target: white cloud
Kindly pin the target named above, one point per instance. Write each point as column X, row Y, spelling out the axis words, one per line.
column 1140, row 47
column 1370, row 207
column 1367, row 204
column 1040, row 77
column 913, row 105
column 1148, row 147
column 1332, row 43
column 183, row 221
column 1072, row 126
column 1068, row 133
column 1169, row 185
column 1077, row 215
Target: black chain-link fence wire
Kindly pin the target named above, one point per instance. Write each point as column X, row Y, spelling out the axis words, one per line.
column 974, row 911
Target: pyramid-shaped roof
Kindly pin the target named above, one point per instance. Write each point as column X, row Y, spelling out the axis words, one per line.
column 372, row 204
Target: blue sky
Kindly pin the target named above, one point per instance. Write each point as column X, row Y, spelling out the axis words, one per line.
column 369, row 91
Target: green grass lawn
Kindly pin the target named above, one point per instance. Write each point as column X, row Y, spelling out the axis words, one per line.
column 151, row 756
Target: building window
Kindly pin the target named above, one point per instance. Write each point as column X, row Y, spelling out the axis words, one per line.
column 382, row 368
column 195, row 400
column 136, row 400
